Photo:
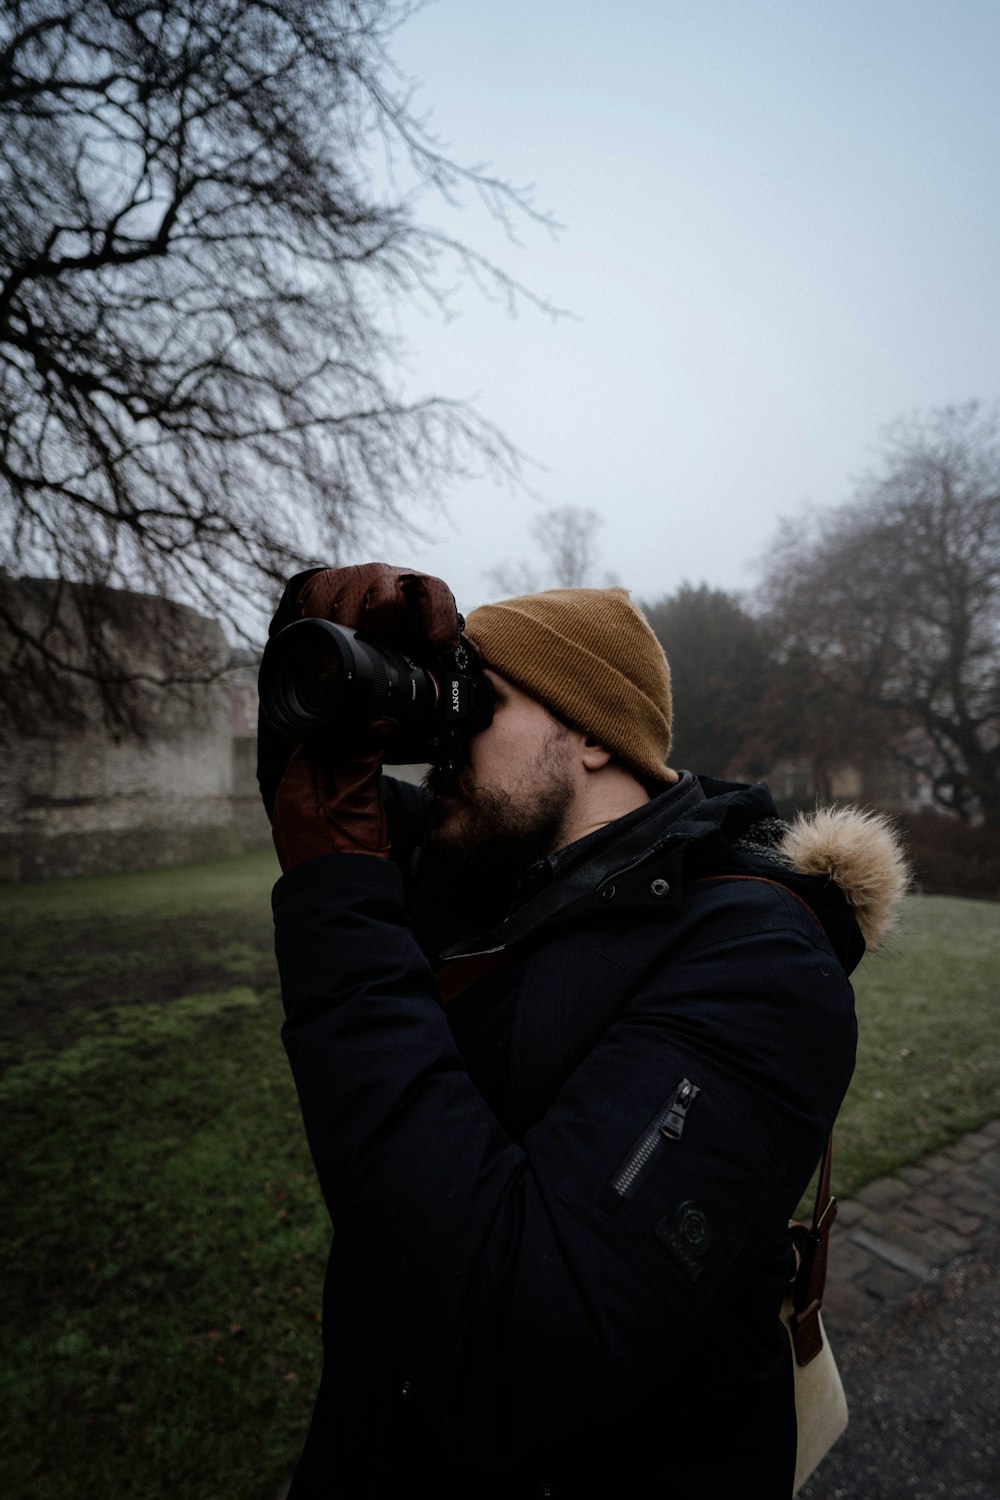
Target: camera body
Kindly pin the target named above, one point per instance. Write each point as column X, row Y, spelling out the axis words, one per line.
column 321, row 679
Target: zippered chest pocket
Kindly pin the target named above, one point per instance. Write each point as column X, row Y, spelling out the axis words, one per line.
column 668, row 1126
column 683, row 1198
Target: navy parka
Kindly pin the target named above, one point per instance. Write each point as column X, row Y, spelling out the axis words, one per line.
column 560, row 1205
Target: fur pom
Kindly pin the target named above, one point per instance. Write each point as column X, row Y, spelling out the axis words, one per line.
column 861, row 852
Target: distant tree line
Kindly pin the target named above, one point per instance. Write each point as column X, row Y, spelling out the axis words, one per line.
column 875, row 635
column 872, row 643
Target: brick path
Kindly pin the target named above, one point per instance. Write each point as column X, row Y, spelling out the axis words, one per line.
column 900, row 1231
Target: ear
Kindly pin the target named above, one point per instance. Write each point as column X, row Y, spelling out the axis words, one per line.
column 595, row 755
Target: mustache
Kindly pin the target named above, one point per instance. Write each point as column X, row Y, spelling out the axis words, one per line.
column 445, row 781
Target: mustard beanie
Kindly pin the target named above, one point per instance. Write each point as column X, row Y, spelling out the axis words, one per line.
column 591, row 657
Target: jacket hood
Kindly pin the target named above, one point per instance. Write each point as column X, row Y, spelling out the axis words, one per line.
column 861, row 854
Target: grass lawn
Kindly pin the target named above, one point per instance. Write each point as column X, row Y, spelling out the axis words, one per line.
column 929, row 1040
column 164, row 1242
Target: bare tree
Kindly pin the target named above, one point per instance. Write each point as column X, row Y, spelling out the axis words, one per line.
column 197, row 240
column 802, row 717
column 564, row 555
column 894, row 604
column 567, row 537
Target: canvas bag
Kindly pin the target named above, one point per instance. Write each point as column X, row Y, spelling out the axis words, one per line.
column 820, row 1404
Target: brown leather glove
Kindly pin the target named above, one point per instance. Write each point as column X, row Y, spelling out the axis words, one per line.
column 327, row 806
column 332, row 807
column 388, row 606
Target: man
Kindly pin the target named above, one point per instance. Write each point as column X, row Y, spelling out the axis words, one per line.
column 560, row 1201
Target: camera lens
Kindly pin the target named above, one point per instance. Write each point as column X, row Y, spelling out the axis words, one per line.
column 315, row 675
column 316, row 684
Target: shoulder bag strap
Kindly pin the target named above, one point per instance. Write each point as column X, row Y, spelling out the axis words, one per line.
column 810, row 1276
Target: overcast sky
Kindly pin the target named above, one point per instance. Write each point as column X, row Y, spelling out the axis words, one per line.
column 782, row 231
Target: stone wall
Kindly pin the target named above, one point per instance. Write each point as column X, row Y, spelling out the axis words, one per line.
column 78, row 796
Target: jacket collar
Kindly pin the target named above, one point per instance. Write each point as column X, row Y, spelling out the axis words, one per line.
column 556, row 882
column 846, row 865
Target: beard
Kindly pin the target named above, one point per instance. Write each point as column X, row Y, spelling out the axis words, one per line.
column 481, row 842
column 505, row 830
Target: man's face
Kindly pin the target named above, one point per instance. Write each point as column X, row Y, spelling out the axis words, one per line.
column 516, row 786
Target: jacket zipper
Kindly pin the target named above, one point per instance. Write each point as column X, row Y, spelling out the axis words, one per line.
column 668, row 1126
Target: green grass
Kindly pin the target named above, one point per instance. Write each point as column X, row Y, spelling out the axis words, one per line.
column 164, row 1241
column 929, row 1041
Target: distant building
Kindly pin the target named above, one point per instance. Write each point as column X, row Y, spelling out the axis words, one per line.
column 82, row 795
column 882, row 782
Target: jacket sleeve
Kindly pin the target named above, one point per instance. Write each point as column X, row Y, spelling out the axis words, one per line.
column 574, row 1257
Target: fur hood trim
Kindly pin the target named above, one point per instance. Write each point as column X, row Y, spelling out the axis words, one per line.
column 861, row 852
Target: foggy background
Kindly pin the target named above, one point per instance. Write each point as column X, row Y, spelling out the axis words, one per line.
column 780, row 235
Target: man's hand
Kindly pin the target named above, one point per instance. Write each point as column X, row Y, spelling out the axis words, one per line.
column 327, row 807
column 388, row 606
column 318, row 804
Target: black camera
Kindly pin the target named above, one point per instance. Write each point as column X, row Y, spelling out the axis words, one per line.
column 317, row 677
